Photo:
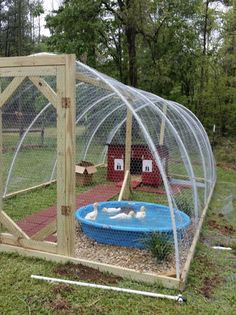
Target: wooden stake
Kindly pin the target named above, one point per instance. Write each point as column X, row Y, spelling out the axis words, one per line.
column 128, row 143
column 163, row 124
column 124, row 185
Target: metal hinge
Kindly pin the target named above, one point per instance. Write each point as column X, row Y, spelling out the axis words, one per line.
column 65, row 210
column 66, row 102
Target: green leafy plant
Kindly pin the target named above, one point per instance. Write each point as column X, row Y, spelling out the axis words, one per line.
column 160, row 247
column 184, row 205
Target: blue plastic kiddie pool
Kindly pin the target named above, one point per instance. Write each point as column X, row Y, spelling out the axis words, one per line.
column 131, row 232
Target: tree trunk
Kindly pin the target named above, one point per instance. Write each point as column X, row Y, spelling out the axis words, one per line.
column 131, row 41
column 203, row 71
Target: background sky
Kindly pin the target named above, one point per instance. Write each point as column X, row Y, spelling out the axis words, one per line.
column 49, row 6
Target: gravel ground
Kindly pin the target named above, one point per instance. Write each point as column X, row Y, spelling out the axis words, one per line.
column 132, row 258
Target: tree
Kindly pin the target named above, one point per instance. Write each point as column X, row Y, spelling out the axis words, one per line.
column 16, row 27
column 75, row 28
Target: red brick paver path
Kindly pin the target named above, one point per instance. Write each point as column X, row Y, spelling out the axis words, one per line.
column 35, row 222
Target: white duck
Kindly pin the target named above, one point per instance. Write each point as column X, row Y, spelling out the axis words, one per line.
column 123, row 216
column 93, row 214
column 111, row 210
column 141, row 213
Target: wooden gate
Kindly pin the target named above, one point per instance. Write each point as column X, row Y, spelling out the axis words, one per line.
column 36, row 68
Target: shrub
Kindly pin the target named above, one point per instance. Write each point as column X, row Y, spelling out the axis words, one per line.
column 184, row 205
column 160, row 247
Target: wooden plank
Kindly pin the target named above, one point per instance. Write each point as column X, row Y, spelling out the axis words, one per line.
column 10, row 239
column 10, row 89
column 28, row 71
column 101, row 165
column 93, row 81
column 32, row 61
column 45, row 232
column 11, row 226
column 163, row 124
column 18, row 192
column 66, row 158
column 18, row 130
column 184, row 273
column 1, row 163
column 167, row 282
column 45, row 89
column 173, row 175
column 125, row 183
column 128, row 142
column 22, row 191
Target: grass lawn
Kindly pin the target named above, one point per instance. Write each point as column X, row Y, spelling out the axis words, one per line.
column 210, row 289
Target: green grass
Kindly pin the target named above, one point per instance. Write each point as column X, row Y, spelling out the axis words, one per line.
column 23, row 205
column 212, row 273
column 210, row 288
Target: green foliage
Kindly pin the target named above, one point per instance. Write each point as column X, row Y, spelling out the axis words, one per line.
column 19, row 30
column 184, row 204
column 184, row 51
column 159, row 245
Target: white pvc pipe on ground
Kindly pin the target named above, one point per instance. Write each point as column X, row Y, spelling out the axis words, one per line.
column 221, row 247
column 178, row 298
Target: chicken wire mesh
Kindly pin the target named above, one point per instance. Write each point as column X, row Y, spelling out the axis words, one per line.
column 171, row 169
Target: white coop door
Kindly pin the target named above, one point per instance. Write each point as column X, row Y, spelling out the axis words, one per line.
column 118, row 164
column 147, row 166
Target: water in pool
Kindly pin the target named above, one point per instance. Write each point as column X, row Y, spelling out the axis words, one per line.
column 157, row 216
column 130, row 232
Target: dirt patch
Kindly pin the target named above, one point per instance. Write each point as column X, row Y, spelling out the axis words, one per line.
column 62, row 288
column 59, row 305
column 80, row 272
column 209, row 284
column 223, row 229
column 227, row 166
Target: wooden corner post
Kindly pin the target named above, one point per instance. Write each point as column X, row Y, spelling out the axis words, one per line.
column 66, row 157
column 163, row 124
column 128, row 143
column 1, row 163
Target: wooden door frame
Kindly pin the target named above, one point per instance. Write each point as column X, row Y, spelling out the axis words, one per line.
column 33, row 68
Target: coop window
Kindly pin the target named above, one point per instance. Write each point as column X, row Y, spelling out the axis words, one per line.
column 119, row 164
column 147, row 166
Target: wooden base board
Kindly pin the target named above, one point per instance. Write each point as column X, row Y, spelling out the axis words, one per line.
column 25, row 244
column 185, row 271
column 165, row 281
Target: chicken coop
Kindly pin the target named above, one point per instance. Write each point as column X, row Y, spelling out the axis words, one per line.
column 140, row 214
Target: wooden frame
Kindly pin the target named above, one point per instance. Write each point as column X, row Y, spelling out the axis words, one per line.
column 124, row 185
column 185, row 271
column 46, row 231
column 46, row 90
column 63, row 99
column 166, row 281
column 128, row 142
column 163, row 125
column 63, row 68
